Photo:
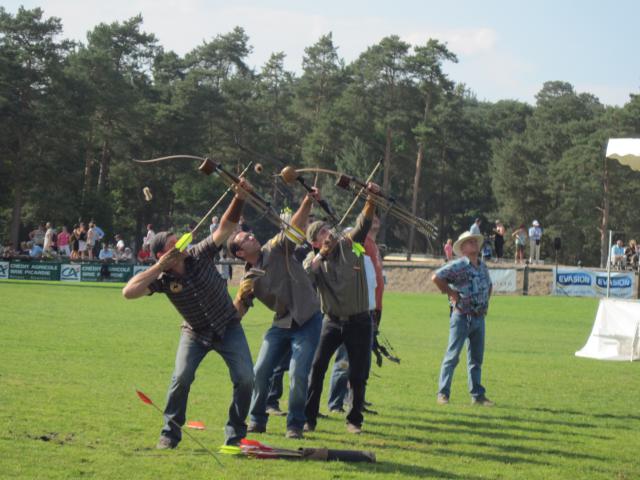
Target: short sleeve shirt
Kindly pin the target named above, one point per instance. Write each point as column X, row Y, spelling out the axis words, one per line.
column 473, row 283
column 200, row 295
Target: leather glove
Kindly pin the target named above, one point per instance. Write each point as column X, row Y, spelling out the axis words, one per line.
column 245, row 292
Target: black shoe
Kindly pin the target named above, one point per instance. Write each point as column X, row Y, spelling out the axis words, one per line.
column 166, row 443
column 255, row 428
column 369, row 411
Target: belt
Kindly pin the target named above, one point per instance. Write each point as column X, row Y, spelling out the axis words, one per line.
column 346, row 318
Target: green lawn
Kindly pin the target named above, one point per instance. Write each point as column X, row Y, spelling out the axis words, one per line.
column 71, row 356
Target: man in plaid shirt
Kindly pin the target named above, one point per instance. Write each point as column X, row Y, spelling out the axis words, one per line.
column 210, row 321
column 467, row 283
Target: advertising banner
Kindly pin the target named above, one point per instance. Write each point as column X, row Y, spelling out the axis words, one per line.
column 4, row 270
column 70, row 272
column 26, row 270
column 591, row 283
column 139, row 268
column 503, row 280
column 106, row 272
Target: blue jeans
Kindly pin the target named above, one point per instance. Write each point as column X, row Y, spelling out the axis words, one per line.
column 303, row 342
column 234, row 350
column 461, row 328
column 339, row 383
column 275, row 382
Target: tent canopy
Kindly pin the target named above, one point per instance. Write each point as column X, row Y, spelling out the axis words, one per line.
column 626, row 151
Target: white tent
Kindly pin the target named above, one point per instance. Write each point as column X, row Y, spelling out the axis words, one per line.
column 616, row 332
column 625, row 150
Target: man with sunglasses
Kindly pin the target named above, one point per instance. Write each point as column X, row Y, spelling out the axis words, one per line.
column 275, row 276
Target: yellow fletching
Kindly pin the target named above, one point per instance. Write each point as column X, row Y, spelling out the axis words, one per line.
column 184, row 241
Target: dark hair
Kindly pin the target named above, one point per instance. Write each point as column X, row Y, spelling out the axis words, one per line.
column 157, row 244
column 232, row 245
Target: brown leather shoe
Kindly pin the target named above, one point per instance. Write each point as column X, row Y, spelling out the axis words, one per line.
column 309, row 427
column 482, row 401
column 351, row 428
column 294, row 433
column 166, row 443
column 442, row 399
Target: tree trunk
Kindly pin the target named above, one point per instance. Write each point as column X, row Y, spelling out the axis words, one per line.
column 16, row 215
column 414, row 200
column 104, row 166
column 386, row 179
column 604, row 226
column 88, row 166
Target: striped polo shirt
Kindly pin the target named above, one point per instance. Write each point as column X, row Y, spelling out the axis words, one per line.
column 201, row 294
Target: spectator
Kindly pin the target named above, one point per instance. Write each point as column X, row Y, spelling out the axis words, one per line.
column 224, row 269
column 144, row 255
column 24, row 249
column 92, row 240
column 618, row 259
column 448, row 250
column 520, row 236
column 35, row 250
column 127, row 255
column 74, row 239
column 119, row 246
column 49, row 242
column 214, row 224
column 63, row 242
column 631, row 252
column 486, row 250
column 37, row 235
column 106, row 253
column 475, row 227
column 535, row 236
column 82, row 241
column 498, row 240
column 149, row 236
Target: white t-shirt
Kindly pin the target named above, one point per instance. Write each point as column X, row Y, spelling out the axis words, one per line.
column 48, row 239
column 372, row 283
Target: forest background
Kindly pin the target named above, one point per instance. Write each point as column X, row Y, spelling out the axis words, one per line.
column 73, row 116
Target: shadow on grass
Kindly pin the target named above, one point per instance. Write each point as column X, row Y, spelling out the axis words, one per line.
column 605, row 416
column 483, row 423
column 387, row 467
column 490, row 457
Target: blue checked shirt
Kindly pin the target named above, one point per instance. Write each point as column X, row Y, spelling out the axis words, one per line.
column 471, row 282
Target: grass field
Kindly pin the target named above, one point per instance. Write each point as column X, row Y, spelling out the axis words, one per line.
column 71, row 356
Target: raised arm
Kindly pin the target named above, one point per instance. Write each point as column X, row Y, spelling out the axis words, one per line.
column 300, row 218
column 231, row 216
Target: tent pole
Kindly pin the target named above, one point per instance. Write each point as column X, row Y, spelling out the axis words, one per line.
column 609, row 264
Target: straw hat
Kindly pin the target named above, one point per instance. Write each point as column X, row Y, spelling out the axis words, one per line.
column 463, row 238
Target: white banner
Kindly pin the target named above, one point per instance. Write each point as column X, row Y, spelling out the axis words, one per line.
column 4, row 270
column 588, row 283
column 503, row 280
column 70, row 272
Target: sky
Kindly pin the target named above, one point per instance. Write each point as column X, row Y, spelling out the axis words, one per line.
column 506, row 49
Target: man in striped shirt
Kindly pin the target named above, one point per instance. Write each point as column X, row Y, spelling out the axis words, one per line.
column 210, row 321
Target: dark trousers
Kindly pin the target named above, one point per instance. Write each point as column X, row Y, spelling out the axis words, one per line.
column 355, row 333
column 275, row 382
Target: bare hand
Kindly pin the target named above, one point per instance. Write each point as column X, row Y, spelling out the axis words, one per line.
column 454, row 297
column 169, row 259
column 243, row 188
column 373, row 187
column 315, row 194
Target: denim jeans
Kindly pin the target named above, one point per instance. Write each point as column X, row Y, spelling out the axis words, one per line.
column 302, row 341
column 234, row 350
column 339, row 382
column 461, row 328
column 275, row 382
column 356, row 336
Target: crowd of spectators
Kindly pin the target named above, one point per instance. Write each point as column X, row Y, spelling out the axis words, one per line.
column 83, row 242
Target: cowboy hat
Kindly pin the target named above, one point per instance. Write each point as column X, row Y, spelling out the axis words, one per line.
column 463, row 238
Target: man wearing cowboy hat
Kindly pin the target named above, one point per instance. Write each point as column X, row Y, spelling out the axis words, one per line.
column 467, row 283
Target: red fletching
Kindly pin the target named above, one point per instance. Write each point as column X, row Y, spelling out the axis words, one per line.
column 144, row 398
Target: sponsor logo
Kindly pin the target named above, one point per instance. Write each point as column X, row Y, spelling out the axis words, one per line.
column 70, row 273
column 4, row 270
column 616, row 282
column 574, row 278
